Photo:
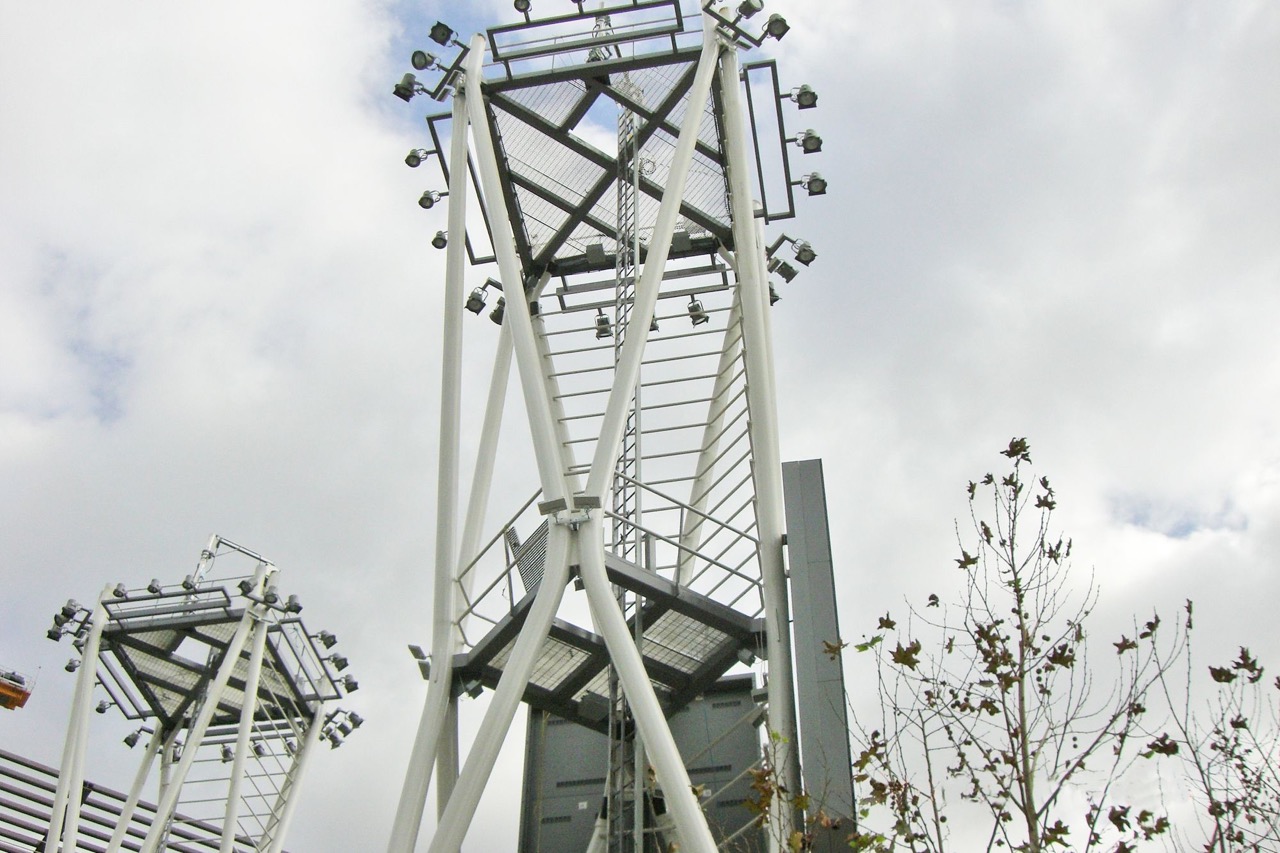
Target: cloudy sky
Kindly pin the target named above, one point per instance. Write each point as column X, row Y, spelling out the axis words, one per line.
column 219, row 314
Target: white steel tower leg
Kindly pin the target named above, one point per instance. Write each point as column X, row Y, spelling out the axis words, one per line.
column 164, row 808
column 767, row 470
column 506, row 698
column 422, row 759
column 66, row 801
column 135, row 793
column 247, row 710
column 650, row 721
column 277, row 828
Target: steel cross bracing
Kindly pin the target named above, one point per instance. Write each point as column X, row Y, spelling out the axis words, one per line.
column 231, row 688
column 684, row 372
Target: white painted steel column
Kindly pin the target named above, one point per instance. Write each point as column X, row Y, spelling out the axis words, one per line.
column 646, row 296
column 287, row 801
column 66, row 802
column 486, row 453
column 422, row 759
column 247, row 710
column 700, row 491
column 506, row 697
column 548, row 454
column 650, row 721
column 164, row 809
column 135, row 793
column 767, row 470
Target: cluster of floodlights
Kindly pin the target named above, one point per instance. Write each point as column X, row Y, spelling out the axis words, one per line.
column 339, row 662
column 478, row 299
column 804, row 255
column 338, row 725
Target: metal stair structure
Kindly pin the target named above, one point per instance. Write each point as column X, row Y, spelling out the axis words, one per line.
column 635, row 307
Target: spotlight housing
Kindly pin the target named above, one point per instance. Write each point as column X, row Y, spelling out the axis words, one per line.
column 131, row 739
column 189, row 583
column 350, row 684
column 441, row 33
column 696, row 312
column 809, row 142
column 428, row 199
column 72, row 665
column 415, row 157
column 747, row 8
column 814, row 183
column 406, row 88
column 293, row 605
column 475, row 302
column 227, row 754
column 776, row 27
column 421, row 60
column 499, row 311
column 54, row 634
column 154, row 587
column 804, row 252
column 804, row 96
column 774, row 298
column 120, row 591
column 440, row 240
column 783, row 269
column 603, row 327
column 327, row 639
column 102, row 706
column 523, row 6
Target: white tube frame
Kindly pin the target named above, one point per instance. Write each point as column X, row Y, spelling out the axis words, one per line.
column 435, row 712
column 287, row 800
column 247, row 710
column 64, row 822
column 135, row 793
column 767, row 470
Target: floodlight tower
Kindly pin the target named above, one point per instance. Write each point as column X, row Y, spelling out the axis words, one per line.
column 635, row 304
column 232, row 689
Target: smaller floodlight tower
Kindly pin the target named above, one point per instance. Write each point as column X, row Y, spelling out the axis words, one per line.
column 230, row 689
column 611, row 154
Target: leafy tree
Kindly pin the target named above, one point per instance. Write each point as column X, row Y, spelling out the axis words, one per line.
column 991, row 714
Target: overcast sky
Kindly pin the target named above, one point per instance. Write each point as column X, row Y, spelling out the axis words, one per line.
column 219, row 313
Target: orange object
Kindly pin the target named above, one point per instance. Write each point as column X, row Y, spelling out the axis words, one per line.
column 14, row 690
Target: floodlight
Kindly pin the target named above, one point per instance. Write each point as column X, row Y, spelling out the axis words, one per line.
column 774, row 298
column 72, row 665
column 227, row 754
column 272, row 595
column 440, row 240
column 120, row 591
column 350, row 684
column 344, row 728
column 421, row 60
column 499, row 310
column 441, row 33
column 406, row 88
column 473, row 688
column 189, row 583
column 696, row 314
column 71, row 608
column 154, row 587
column 293, row 605
column 246, row 587
column 327, row 639
column 429, row 199
column 776, row 27
column 60, row 619
column 809, row 141
column 804, row 252
column 603, row 328
column 103, row 706
column 131, row 739
column 339, row 661
column 783, row 269
column 746, row 656
column 54, row 634
column 523, row 6
column 415, row 157
column 804, row 97
column 814, row 183
column 78, row 644
column 747, row 8
column 475, row 302
column 259, row 749
column 355, row 719
column 334, row 740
